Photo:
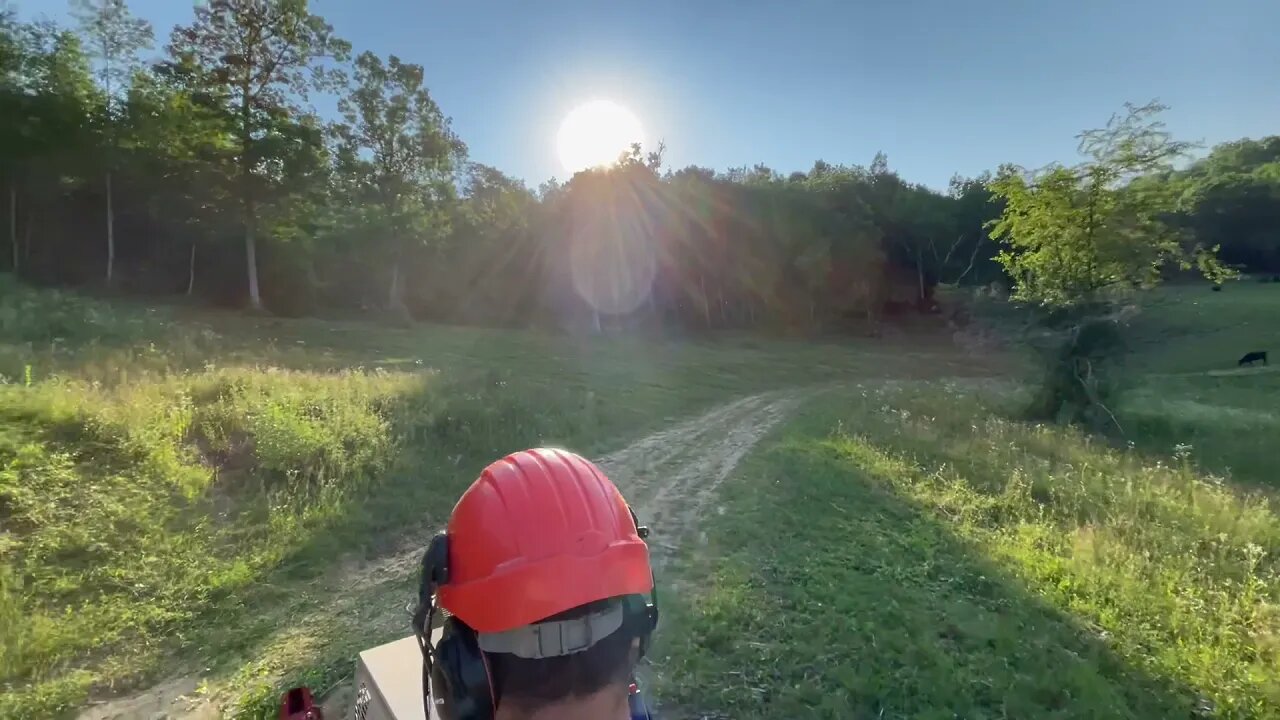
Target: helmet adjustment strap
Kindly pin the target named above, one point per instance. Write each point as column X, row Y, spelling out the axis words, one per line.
column 554, row 638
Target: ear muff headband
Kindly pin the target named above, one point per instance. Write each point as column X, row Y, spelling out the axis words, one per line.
column 457, row 670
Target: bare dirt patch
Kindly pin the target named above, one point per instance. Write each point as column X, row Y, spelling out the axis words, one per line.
column 177, row 697
column 670, row 476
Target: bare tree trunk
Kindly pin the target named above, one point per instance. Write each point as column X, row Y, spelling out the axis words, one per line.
column 191, row 272
column 13, row 223
column 26, row 238
column 313, row 280
column 246, row 174
column 153, row 218
column 706, row 306
column 973, row 256
column 111, row 233
column 111, row 139
column 251, row 257
column 920, row 273
column 393, row 292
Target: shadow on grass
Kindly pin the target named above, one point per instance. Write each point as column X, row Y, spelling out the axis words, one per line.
column 833, row 597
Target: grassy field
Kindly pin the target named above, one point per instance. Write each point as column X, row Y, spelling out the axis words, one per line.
column 1188, row 390
column 190, row 494
column 913, row 550
column 175, row 485
column 1188, row 329
column 907, row 552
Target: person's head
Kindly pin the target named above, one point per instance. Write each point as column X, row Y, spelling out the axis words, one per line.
column 546, row 583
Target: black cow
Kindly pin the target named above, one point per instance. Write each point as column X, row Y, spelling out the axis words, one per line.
column 1253, row 357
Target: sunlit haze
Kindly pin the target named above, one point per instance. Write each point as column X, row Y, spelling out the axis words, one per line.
column 595, row 134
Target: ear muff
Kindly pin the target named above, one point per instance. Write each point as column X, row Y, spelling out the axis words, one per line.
column 460, row 681
column 642, row 617
column 455, row 673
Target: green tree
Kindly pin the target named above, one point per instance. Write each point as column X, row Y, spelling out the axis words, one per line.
column 294, row 209
column 49, row 97
column 1231, row 199
column 115, row 37
column 971, row 255
column 180, row 156
column 259, row 57
column 401, row 148
column 1072, row 234
column 491, row 237
column 13, row 56
column 1076, row 238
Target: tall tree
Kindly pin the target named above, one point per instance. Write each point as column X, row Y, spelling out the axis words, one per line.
column 400, row 143
column 49, row 94
column 971, row 253
column 1071, row 233
column 114, row 37
column 1232, row 199
column 180, row 155
column 260, row 57
column 1075, row 237
column 13, row 56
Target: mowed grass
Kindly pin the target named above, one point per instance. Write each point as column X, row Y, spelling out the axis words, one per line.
column 1190, row 329
column 180, row 490
column 1188, row 397
column 1226, row 425
column 174, row 485
column 904, row 550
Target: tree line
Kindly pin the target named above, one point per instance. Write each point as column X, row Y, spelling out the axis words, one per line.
column 202, row 171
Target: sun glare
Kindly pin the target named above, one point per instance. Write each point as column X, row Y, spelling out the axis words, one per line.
column 595, row 134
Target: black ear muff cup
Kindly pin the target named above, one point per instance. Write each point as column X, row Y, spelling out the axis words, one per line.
column 460, row 681
column 640, row 618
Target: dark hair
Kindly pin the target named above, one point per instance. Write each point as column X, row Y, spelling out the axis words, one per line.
column 531, row 684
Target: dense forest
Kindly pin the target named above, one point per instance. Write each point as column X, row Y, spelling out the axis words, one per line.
column 193, row 165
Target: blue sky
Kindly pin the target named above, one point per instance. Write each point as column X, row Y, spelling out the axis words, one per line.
column 941, row 86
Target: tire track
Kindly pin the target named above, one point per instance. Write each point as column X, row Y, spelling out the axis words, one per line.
column 670, row 477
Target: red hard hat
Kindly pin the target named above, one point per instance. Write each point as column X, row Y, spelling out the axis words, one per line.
column 538, row 533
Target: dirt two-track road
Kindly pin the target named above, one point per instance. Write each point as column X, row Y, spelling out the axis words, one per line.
column 670, row 477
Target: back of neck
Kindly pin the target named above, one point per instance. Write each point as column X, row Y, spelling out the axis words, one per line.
column 608, row 704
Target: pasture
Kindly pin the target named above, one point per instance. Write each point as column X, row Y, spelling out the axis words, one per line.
column 202, row 508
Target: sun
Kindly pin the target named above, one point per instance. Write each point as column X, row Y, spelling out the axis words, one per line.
column 595, row 134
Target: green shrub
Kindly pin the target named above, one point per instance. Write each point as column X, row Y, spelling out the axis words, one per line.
column 1080, row 366
column 54, row 316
